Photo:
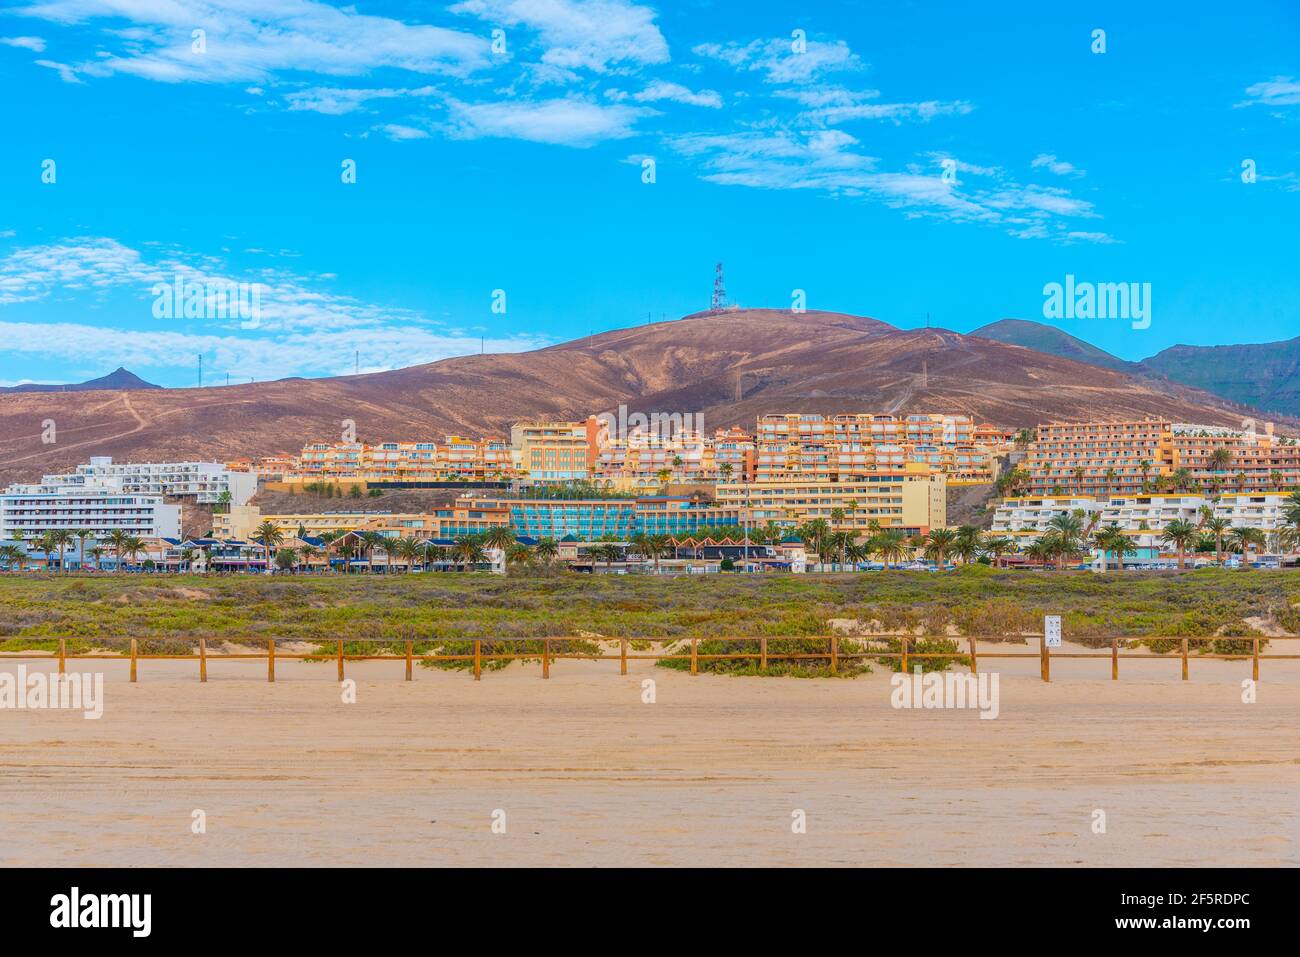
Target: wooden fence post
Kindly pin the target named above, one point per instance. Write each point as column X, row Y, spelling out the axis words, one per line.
column 1184, row 659
column 1254, row 670
column 835, row 653
column 133, row 657
column 974, row 658
column 63, row 655
column 1114, row 659
column 622, row 660
column 270, row 659
column 478, row 659
column 340, row 649
column 762, row 653
column 695, row 656
column 410, row 646
column 1045, row 658
column 546, row 657
column 904, row 647
column 203, row 659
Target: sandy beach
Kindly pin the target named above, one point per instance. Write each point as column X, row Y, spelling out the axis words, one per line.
column 709, row 774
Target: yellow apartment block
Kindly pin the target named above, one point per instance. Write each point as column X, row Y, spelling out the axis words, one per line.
column 242, row 520
column 913, row 500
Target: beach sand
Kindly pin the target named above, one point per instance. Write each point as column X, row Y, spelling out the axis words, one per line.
column 709, row 774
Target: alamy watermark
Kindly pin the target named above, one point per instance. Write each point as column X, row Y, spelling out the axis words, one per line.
column 20, row 691
column 210, row 299
column 653, row 427
column 1104, row 300
column 947, row 690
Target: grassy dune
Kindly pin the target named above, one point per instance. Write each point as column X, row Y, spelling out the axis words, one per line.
column 976, row 600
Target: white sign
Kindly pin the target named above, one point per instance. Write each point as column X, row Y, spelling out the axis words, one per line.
column 1052, row 631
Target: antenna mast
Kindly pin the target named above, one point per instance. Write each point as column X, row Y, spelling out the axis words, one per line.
column 719, row 301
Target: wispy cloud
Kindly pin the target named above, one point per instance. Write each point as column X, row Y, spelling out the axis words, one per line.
column 663, row 90
column 594, row 35
column 1279, row 91
column 338, row 101
column 568, row 121
column 1059, row 167
column 784, row 60
column 251, row 42
column 35, row 44
column 305, row 328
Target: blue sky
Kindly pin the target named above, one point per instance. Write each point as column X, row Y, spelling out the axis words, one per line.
column 804, row 146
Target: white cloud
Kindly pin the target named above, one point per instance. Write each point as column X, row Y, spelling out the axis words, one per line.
column 337, row 101
column 35, row 44
column 570, row 121
column 304, row 329
column 831, row 161
column 1059, row 167
column 249, row 42
column 1279, row 91
column 321, row 352
column 778, row 60
column 580, row 34
column 662, row 90
column 396, row 131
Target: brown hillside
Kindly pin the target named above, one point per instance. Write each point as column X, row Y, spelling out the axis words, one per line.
column 812, row 362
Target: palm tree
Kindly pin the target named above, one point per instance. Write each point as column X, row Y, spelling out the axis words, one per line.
column 1068, row 530
column 96, row 554
column 1221, row 458
column 501, row 537
column 131, row 547
column 891, row 546
column 608, row 553
column 222, row 504
column 82, row 534
column 518, row 554
column 1217, row 527
column 1291, row 510
column 1243, row 539
column 1179, row 533
column 269, row 536
column 1112, row 539
column 968, row 544
column 286, row 559
column 11, row 555
column 725, row 470
column 409, row 550
column 1145, row 468
column 48, row 543
column 367, row 542
column 997, row 546
column 469, row 550
column 1181, row 479
column 546, row 550
column 187, row 557
column 347, row 546
column 937, row 543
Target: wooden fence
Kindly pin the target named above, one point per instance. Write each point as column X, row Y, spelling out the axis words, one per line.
column 833, row 656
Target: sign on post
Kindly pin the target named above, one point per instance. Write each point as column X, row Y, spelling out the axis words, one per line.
column 1052, row 631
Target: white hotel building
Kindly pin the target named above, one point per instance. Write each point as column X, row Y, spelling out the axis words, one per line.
column 204, row 482
column 28, row 511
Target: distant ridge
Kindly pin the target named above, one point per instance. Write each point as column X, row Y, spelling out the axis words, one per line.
column 1053, row 341
column 729, row 366
column 117, row 380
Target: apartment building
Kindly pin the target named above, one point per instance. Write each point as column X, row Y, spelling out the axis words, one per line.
column 1128, row 457
column 1098, row 458
column 206, row 483
column 585, row 519
column 1265, row 511
column 1027, row 518
column 1144, row 517
column 241, row 522
column 556, row 451
column 733, row 455
column 455, row 458
column 100, row 506
column 913, row 500
column 829, row 448
column 643, row 460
